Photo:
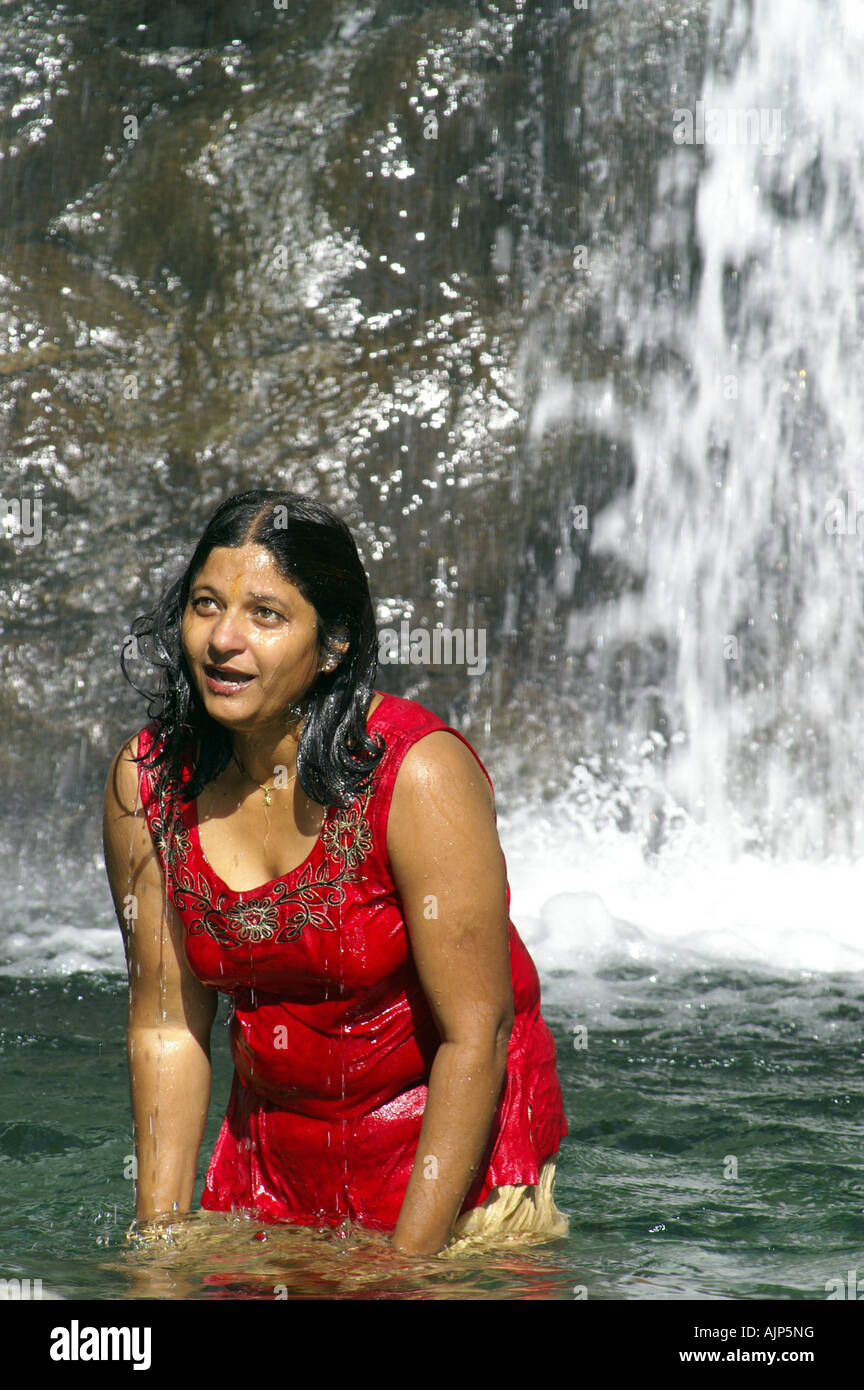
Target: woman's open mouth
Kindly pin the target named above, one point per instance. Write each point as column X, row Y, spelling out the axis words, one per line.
column 225, row 680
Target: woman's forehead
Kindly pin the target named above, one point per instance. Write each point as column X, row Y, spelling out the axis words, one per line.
column 249, row 569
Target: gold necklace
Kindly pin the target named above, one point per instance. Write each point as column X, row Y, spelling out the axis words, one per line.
column 260, row 785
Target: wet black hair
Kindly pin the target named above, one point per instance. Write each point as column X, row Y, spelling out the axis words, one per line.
column 314, row 549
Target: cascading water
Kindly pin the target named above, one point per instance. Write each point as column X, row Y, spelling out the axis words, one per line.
column 575, row 382
column 750, row 430
column 723, row 668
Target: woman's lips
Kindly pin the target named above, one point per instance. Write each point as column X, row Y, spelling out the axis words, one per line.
column 224, row 680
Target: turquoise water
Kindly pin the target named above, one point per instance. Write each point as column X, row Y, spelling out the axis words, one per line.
column 674, row 1078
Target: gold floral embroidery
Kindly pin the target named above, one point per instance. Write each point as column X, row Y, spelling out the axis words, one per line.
column 348, row 834
column 171, row 838
column 283, row 912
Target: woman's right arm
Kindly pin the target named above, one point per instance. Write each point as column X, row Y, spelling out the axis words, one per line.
column 170, row 1012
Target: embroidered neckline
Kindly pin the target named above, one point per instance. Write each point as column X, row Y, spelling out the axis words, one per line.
column 194, row 830
column 276, row 911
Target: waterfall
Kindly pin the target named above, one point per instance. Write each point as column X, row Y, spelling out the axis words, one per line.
column 556, row 306
column 741, row 524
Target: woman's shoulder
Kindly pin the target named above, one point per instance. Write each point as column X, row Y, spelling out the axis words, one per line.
column 126, row 760
column 426, row 746
column 400, row 714
column 121, row 788
column 127, row 753
column 128, row 773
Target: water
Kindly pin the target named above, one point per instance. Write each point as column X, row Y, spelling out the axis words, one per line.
column 749, row 441
column 682, row 1070
column 448, row 269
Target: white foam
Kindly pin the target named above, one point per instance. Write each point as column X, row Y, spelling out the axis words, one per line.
column 580, row 899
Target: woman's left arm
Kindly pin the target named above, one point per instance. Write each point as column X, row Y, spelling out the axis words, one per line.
column 449, row 871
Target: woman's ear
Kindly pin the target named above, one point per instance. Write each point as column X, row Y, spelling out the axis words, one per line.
column 337, row 645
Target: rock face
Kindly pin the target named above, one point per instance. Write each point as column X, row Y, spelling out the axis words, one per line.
column 372, row 253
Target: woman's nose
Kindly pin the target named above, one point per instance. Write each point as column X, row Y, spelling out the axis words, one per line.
column 227, row 632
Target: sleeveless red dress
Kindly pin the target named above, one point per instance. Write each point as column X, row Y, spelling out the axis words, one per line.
column 331, row 1034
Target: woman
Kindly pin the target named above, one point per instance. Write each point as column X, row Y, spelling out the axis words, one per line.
column 327, row 855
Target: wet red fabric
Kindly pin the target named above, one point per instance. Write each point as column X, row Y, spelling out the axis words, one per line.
column 331, row 1034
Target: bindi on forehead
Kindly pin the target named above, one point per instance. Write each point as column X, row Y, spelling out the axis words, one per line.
column 238, row 568
column 246, row 576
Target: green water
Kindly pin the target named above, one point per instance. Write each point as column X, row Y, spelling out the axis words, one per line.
column 678, row 1077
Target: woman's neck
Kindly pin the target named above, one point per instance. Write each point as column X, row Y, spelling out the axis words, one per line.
column 263, row 755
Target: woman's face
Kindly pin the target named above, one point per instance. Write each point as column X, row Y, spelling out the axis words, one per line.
column 250, row 639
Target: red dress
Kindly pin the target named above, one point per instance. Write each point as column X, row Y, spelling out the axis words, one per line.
column 332, row 1037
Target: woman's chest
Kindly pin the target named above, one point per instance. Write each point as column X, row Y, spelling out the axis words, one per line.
column 314, row 936
column 253, row 843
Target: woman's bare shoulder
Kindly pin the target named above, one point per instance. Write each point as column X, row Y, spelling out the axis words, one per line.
column 440, row 764
column 121, row 786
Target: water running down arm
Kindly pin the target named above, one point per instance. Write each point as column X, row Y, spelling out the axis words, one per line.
column 170, row 1011
column 445, row 854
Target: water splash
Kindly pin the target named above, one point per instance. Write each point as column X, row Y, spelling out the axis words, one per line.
column 751, row 426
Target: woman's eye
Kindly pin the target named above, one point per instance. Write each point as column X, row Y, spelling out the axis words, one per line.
column 204, row 604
